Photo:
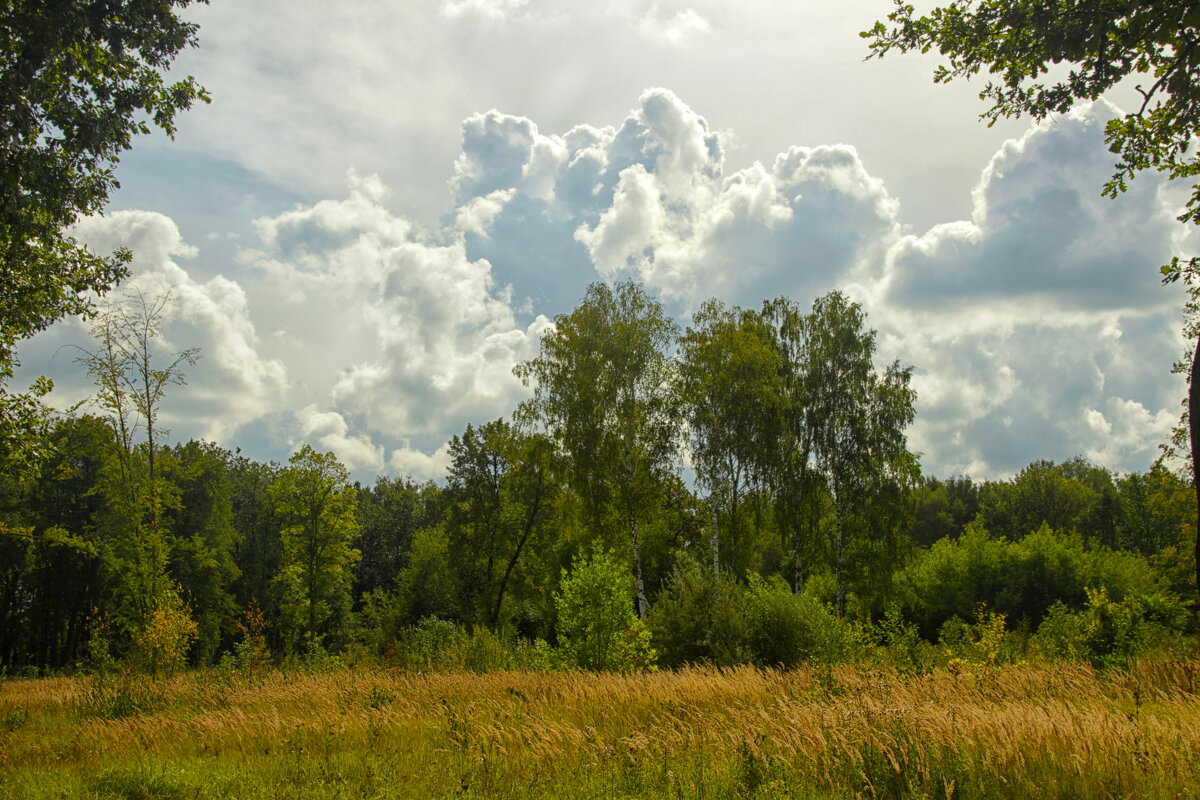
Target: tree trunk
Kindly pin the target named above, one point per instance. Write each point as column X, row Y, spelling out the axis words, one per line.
column 1194, row 433
column 837, row 517
column 637, row 569
column 715, row 541
column 530, row 521
column 797, row 561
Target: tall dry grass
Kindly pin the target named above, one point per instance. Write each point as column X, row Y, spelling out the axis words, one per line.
column 1062, row 730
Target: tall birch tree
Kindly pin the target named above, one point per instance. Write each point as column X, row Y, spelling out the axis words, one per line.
column 603, row 388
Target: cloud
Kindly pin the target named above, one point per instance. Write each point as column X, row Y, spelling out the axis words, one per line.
column 1036, row 326
column 651, row 199
column 1040, row 230
column 233, row 382
column 673, row 29
column 349, row 327
column 426, row 341
column 491, row 10
column 419, row 465
column 328, row 430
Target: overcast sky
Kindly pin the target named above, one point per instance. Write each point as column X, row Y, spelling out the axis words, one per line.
column 387, row 203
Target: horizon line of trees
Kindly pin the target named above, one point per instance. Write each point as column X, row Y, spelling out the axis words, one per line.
column 123, row 547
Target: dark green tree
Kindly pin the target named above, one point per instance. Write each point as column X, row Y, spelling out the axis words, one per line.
column 858, row 416
column 203, row 541
column 797, row 488
column 127, row 364
column 389, row 515
column 258, row 548
column 77, row 81
column 53, row 570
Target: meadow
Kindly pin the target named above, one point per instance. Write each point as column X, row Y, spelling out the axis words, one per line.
column 1060, row 730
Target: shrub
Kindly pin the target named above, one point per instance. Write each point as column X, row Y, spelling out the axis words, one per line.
column 1109, row 632
column 897, row 642
column 699, row 617
column 985, row 643
column 431, row 644
column 1020, row 580
column 786, row 630
column 162, row 643
column 435, row 644
column 597, row 626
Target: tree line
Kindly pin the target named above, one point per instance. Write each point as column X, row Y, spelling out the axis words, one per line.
column 571, row 513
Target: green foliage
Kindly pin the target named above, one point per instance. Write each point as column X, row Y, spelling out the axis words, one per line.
column 1073, row 495
column 597, row 626
column 502, row 494
column 984, row 643
column 203, row 534
column 317, row 504
column 258, row 548
column 896, row 642
column 1020, row 580
column 942, row 509
column 602, row 387
column 389, row 514
column 1108, row 633
column 79, row 81
column 786, row 630
column 161, row 646
column 728, row 382
column 699, row 618
column 1156, row 508
column 429, row 585
column 859, row 418
column 440, row 645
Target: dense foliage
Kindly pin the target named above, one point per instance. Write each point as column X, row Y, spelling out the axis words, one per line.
column 810, row 535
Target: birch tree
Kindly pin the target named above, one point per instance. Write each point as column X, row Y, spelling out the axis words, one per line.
column 603, row 388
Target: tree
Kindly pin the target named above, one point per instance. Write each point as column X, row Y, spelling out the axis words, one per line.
column 317, row 504
column 858, row 417
column 389, row 515
column 728, row 377
column 1104, row 42
column 597, row 628
column 796, row 486
column 77, row 81
column 203, row 540
column 603, row 388
column 258, row 547
column 125, row 364
column 502, row 491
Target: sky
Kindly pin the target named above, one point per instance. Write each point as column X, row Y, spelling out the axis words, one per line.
column 386, row 205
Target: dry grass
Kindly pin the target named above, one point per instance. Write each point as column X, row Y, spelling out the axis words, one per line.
column 1023, row 731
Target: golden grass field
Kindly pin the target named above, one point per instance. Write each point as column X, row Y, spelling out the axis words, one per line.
column 1036, row 731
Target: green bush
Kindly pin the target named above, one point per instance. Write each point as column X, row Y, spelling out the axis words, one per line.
column 1020, row 580
column 431, row 644
column 699, row 618
column 597, row 626
column 438, row 645
column 986, row 642
column 896, row 642
column 1109, row 632
column 786, row 630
